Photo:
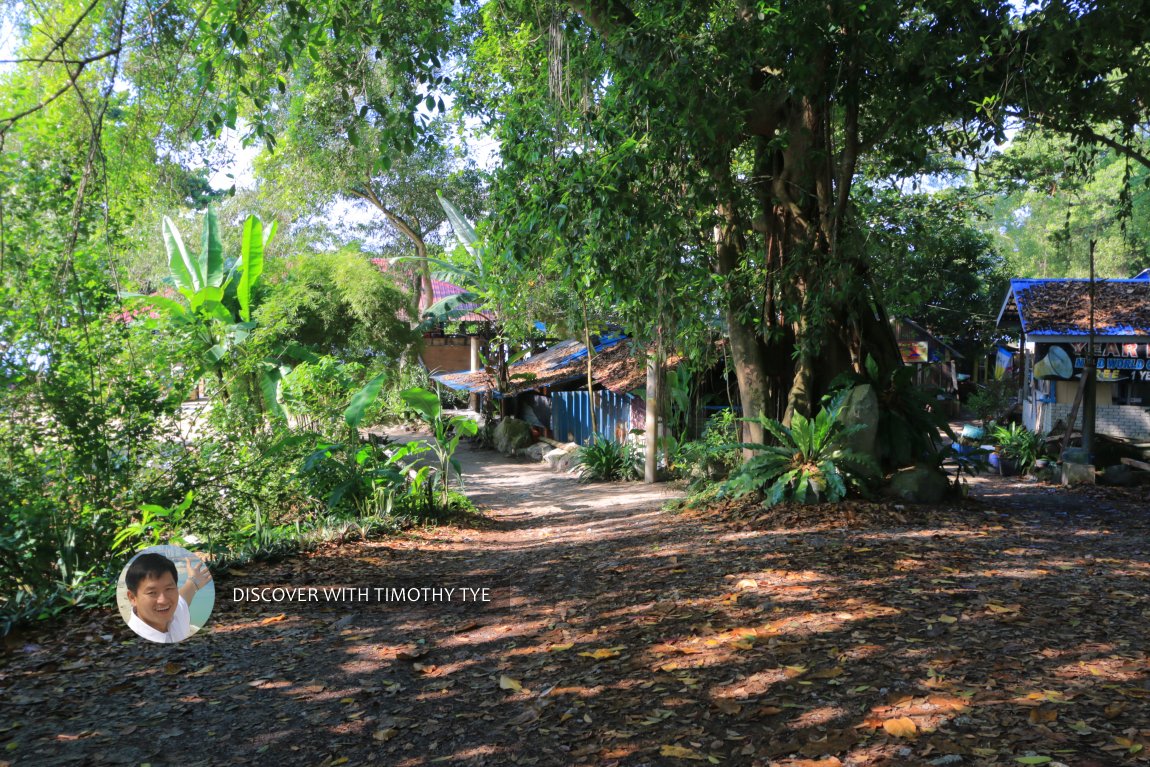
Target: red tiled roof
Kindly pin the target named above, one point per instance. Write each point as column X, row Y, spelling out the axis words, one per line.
column 440, row 289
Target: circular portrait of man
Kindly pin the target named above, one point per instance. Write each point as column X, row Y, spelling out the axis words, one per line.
column 165, row 594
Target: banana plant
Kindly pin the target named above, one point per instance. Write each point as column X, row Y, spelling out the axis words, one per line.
column 445, row 436
column 219, row 296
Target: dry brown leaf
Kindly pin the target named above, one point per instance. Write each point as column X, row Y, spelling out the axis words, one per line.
column 602, row 653
column 410, row 653
column 728, row 707
column 902, row 727
column 680, row 752
column 827, row 673
column 273, row 619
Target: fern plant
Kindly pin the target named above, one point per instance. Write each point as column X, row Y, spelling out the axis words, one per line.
column 811, row 461
column 604, row 460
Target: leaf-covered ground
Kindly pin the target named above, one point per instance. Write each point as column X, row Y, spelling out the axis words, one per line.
column 1011, row 630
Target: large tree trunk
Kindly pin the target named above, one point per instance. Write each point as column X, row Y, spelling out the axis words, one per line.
column 819, row 318
column 748, row 352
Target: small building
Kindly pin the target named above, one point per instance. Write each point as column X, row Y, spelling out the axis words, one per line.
column 455, row 345
column 1053, row 319
column 931, row 358
column 457, row 350
column 549, row 389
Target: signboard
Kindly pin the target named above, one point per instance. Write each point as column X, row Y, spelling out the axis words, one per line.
column 914, row 352
column 1113, row 361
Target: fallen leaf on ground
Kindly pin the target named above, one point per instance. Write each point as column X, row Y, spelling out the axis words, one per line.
column 681, row 753
column 601, row 654
column 902, row 727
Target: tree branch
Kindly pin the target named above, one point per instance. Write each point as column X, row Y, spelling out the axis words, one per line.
column 1085, row 131
column 59, row 44
column 7, row 122
column 607, row 17
column 409, row 231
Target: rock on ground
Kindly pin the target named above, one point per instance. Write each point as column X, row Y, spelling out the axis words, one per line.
column 861, row 407
column 511, row 435
column 921, row 484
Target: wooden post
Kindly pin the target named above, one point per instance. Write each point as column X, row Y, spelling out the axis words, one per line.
column 1090, row 402
column 473, row 400
column 651, row 426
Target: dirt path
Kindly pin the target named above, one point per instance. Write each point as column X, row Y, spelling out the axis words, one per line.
column 859, row 635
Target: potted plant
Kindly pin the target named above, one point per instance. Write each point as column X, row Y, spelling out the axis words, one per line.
column 1017, row 448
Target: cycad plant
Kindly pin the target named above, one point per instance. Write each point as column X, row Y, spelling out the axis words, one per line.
column 811, row 461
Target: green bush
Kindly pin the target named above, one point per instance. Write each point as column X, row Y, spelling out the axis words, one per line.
column 993, row 400
column 712, row 457
column 51, row 556
column 604, row 460
column 810, row 462
column 316, row 394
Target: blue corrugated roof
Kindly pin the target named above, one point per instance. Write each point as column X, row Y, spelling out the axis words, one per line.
column 1061, row 307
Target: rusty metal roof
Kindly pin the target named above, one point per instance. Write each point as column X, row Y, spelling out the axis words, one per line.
column 1062, row 307
column 614, row 366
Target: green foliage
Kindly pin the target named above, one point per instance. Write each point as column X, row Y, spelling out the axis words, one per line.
column 1045, row 198
column 711, row 458
column 1019, row 444
column 156, row 525
column 934, row 263
column 362, row 400
column 909, row 423
column 339, row 304
column 316, row 393
column 367, row 480
column 993, row 400
column 605, row 460
column 811, row 461
column 445, row 436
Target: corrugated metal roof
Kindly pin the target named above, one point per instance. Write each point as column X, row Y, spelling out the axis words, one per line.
column 1062, row 307
column 614, row 367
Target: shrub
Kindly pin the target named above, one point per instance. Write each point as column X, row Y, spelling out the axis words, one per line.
column 908, row 427
column 993, row 400
column 811, row 461
column 712, row 457
column 316, row 394
column 604, row 460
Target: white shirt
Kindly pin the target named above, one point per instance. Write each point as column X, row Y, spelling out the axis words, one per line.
column 178, row 630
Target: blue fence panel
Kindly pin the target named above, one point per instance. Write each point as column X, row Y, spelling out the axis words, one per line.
column 571, row 415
